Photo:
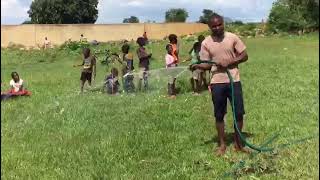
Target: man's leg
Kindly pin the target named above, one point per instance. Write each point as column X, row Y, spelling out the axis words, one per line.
column 219, row 100
column 141, row 70
column 204, row 79
column 82, row 81
column 81, row 85
column 237, row 141
column 221, row 137
column 192, row 85
column 239, row 110
column 89, row 78
column 145, row 81
column 200, row 80
column 171, row 87
column 139, row 84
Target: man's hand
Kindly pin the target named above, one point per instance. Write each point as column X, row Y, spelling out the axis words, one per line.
column 193, row 66
column 242, row 57
column 203, row 66
column 188, row 59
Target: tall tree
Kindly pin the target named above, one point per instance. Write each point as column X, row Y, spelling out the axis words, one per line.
column 207, row 14
column 176, row 15
column 27, row 22
column 293, row 15
column 131, row 19
column 63, row 11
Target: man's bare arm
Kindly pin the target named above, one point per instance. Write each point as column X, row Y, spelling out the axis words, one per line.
column 243, row 57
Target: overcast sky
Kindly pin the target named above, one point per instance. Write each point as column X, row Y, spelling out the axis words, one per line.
column 114, row 11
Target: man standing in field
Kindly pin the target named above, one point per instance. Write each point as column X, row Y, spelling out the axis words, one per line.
column 227, row 51
column 46, row 43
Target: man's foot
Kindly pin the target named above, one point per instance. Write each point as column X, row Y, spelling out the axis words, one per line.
column 195, row 94
column 241, row 149
column 172, row 97
column 221, row 150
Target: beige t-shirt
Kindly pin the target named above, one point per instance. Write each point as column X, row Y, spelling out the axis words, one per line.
column 16, row 85
column 230, row 47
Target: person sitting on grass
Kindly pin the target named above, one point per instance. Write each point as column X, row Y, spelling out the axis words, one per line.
column 170, row 63
column 111, row 82
column 17, row 86
column 89, row 68
column 144, row 62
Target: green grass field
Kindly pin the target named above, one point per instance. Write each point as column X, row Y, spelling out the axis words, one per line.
column 58, row 134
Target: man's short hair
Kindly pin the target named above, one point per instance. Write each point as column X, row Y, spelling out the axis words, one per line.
column 217, row 16
column 172, row 38
column 125, row 48
column 167, row 46
column 141, row 41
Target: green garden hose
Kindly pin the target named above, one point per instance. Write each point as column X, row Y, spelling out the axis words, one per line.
column 260, row 149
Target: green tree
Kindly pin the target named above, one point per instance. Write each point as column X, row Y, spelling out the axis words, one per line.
column 237, row 22
column 176, row 15
column 294, row 15
column 27, row 22
column 207, row 14
column 63, row 11
column 131, row 19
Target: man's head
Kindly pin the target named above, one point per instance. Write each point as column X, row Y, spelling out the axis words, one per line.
column 216, row 25
column 173, row 38
column 125, row 48
column 114, row 72
column 141, row 41
column 200, row 38
column 86, row 52
column 46, row 38
column 169, row 48
column 197, row 47
column 15, row 76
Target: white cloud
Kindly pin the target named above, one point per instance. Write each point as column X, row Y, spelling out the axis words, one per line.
column 245, row 10
column 113, row 11
column 13, row 9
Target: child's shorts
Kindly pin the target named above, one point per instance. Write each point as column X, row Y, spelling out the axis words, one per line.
column 196, row 74
column 171, row 79
column 143, row 73
column 86, row 76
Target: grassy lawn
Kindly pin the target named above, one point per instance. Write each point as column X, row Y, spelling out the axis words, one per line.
column 58, row 134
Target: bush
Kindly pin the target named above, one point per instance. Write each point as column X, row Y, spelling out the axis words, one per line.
column 74, row 46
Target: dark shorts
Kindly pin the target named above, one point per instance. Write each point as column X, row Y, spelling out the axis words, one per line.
column 86, row 76
column 220, row 94
column 130, row 65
